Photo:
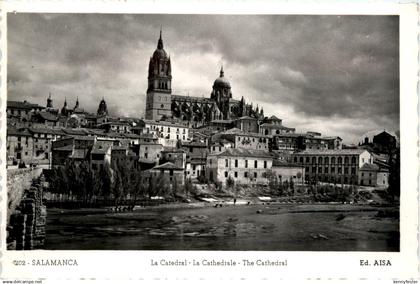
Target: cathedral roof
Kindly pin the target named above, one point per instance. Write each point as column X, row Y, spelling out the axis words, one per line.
column 221, row 81
column 160, row 52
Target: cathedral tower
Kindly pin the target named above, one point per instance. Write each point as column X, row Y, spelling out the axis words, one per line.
column 49, row 102
column 222, row 94
column 158, row 99
column 102, row 109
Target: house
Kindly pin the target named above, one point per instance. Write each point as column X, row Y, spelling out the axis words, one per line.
column 283, row 171
column 167, row 172
column 373, row 175
column 20, row 147
column 244, row 140
column 244, row 166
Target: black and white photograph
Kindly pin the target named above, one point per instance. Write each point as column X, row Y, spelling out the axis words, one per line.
column 203, row 132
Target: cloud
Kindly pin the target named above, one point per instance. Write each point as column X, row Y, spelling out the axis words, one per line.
column 335, row 74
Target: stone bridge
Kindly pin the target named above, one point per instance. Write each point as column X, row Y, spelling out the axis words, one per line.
column 26, row 215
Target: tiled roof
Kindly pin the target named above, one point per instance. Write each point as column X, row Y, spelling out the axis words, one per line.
column 194, row 144
column 48, row 116
column 13, row 131
column 46, row 130
column 164, row 123
column 369, row 167
column 167, row 166
column 22, row 105
column 332, row 152
column 275, row 126
column 222, row 121
column 238, row 152
column 247, row 118
column 64, row 148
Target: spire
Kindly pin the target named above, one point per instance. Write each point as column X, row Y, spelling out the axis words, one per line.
column 65, row 102
column 49, row 101
column 77, row 103
column 160, row 41
column 221, row 72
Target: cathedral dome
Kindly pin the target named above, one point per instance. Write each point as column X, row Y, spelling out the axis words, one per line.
column 221, row 81
column 160, row 53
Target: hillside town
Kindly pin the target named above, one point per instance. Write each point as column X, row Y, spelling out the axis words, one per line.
column 202, row 140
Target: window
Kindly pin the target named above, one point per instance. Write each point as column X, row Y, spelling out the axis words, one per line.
column 313, row 170
column 332, row 170
column 226, row 163
column 319, row 160
column 313, row 160
column 353, row 171
column 236, row 163
column 339, row 170
column 295, row 159
column 255, row 164
column 319, row 170
column 326, row 160
column 346, row 160
column 353, row 160
column 346, row 170
column 326, row 170
column 307, row 169
column 307, row 159
column 255, row 175
column 363, row 174
column 340, row 160
column 333, row 160
column 246, row 174
column 226, row 174
column 265, row 164
column 246, row 163
column 301, row 160
column 214, row 148
column 236, row 174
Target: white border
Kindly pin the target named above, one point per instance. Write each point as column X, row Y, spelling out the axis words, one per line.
column 301, row 265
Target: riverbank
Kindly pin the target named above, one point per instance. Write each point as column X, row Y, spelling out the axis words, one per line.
column 301, row 227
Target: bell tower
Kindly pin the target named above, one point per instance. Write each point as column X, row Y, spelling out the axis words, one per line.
column 158, row 98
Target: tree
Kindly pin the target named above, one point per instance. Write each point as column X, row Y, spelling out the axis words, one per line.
column 230, row 182
column 394, row 174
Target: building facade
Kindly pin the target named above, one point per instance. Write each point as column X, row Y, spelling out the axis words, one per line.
column 334, row 166
column 243, row 166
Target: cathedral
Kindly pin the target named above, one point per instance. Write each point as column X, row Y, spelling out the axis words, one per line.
column 198, row 111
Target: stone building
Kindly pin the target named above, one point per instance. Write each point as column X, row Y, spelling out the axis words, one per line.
column 20, row 146
column 242, row 165
column 384, row 142
column 373, row 175
column 240, row 139
column 167, row 132
column 336, row 166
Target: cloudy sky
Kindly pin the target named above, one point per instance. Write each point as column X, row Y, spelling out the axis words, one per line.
column 338, row 75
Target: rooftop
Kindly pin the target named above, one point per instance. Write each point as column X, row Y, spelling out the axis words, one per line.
column 332, row 152
column 237, row 152
column 167, row 166
column 23, row 105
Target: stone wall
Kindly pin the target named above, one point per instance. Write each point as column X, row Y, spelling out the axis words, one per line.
column 18, row 180
column 26, row 212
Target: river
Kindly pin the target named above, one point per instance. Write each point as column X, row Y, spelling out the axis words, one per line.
column 278, row 227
